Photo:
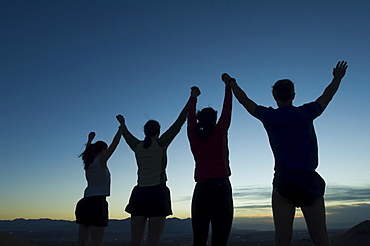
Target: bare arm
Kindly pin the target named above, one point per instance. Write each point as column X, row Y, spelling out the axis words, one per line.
column 243, row 99
column 112, row 147
column 90, row 138
column 130, row 139
column 338, row 72
column 167, row 137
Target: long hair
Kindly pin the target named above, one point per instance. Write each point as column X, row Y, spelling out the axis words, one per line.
column 91, row 152
column 207, row 118
column 151, row 128
column 283, row 90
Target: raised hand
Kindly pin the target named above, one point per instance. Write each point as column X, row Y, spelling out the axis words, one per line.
column 195, row 92
column 340, row 70
column 226, row 78
column 120, row 119
column 91, row 136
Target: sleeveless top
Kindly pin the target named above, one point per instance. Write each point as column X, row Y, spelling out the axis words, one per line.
column 98, row 180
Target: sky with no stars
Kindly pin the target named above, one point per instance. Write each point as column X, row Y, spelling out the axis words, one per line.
column 69, row 67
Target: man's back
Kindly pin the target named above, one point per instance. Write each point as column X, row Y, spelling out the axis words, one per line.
column 292, row 135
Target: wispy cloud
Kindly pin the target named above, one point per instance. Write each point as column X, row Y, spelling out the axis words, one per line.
column 334, row 193
column 253, row 206
column 182, row 199
column 347, row 194
column 346, row 206
column 252, row 192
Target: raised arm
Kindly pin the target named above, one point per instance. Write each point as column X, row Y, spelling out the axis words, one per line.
column 192, row 121
column 90, row 138
column 240, row 95
column 338, row 73
column 112, row 147
column 225, row 118
column 130, row 139
column 175, row 128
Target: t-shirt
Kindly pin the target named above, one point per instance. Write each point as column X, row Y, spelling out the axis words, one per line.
column 292, row 135
column 98, row 180
column 211, row 155
column 152, row 162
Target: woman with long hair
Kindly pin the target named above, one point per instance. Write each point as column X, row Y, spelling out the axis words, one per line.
column 92, row 210
column 212, row 198
column 150, row 199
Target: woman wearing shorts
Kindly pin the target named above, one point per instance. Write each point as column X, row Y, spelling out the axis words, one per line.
column 92, row 210
column 150, row 199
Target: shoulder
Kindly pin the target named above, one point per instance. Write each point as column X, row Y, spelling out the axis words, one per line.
column 312, row 108
column 262, row 111
column 312, row 105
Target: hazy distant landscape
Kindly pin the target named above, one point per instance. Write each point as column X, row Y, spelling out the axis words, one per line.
column 47, row 232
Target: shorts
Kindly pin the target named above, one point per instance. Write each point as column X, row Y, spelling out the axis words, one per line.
column 300, row 187
column 92, row 211
column 150, row 201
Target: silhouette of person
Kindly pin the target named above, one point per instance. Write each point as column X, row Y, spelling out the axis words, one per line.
column 92, row 210
column 293, row 141
column 212, row 198
column 150, row 199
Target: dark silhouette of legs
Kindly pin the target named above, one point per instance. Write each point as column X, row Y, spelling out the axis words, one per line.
column 316, row 222
column 283, row 211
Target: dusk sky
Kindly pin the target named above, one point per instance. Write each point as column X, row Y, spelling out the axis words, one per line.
column 69, row 67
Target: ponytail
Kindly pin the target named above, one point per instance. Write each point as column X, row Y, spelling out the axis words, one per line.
column 151, row 128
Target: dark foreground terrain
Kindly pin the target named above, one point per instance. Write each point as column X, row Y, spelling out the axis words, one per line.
column 358, row 235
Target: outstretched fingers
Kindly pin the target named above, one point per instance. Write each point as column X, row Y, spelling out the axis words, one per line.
column 340, row 70
column 342, row 65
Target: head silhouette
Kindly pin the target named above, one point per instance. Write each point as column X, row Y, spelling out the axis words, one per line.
column 91, row 152
column 207, row 119
column 151, row 129
column 283, row 90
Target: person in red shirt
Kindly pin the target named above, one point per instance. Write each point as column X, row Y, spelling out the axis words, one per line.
column 212, row 198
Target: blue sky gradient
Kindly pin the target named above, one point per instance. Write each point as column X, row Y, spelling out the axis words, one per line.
column 68, row 68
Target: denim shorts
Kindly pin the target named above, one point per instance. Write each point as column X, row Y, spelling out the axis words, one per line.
column 92, row 211
column 299, row 187
column 150, row 201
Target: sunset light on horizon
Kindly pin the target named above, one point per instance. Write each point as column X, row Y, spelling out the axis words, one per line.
column 69, row 67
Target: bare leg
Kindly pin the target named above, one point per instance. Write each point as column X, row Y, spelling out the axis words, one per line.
column 83, row 235
column 97, row 235
column 138, row 224
column 316, row 222
column 283, row 212
column 155, row 229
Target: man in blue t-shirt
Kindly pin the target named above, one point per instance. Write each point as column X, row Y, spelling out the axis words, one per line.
column 293, row 142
